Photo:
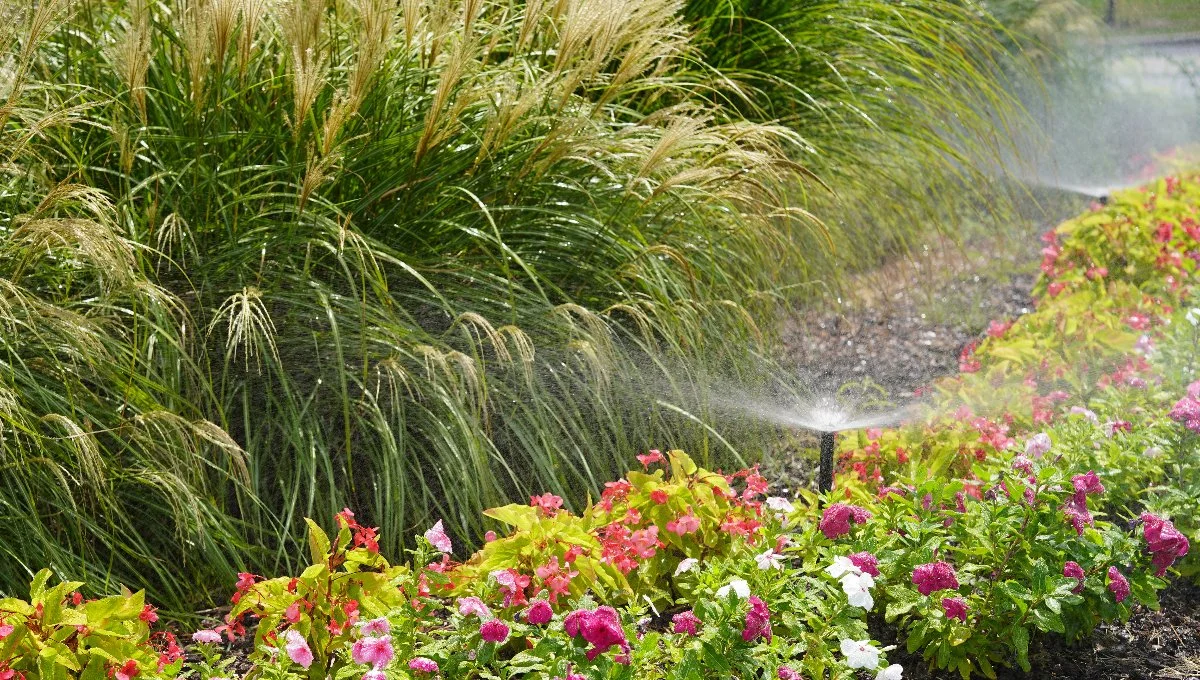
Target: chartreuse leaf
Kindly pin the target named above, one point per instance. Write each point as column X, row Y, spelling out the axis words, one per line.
column 1020, row 640
column 523, row 517
column 318, row 542
column 902, row 601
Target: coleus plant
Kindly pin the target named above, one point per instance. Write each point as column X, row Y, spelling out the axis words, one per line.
column 58, row 635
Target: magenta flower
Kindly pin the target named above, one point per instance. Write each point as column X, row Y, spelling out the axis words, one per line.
column 686, row 622
column 373, row 674
column 1086, row 485
column 297, row 648
column 836, row 520
column 1165, row 542
column 601, row 627
column 539, row 613
column 1023, row 464
column 758, row 621
column 494, row 630
column 1187, row 411
column 1073, row 570
column 1117, row 584
column 436, row 535
column 865, row 562
column 955, row 608
column 934, row 576
column 423, row 665
column 373, row 651
column 1077, row 512
column 786, row 673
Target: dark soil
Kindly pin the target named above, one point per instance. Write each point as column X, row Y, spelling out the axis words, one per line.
column 1152, row 645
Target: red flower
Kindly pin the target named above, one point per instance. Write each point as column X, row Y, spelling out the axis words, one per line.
column 148, row 614
column 660, row 496
column 128, row 671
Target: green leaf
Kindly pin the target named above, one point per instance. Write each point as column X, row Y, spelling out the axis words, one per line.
column 318, row 542
column 1020, row 641
column 523, row 517
column 903, row 599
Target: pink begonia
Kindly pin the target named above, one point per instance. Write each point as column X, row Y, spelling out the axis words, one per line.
column 379, row 626
column 548, row 503
column 437, row 536
column 934, row 576
column 373, row 651
column 204, row 637
column 686, row 622
column 1117, row 584
column 1073, row 570
column 423, row 665
column 297, row 648
column 539, row 613
column 758, row 621
column 865, row 562
column 1165, row 542
column 836, row 520
column 786, row 673
column 473, row 605
column 128, row 671
column 494, row 630
column 955, row 608
column 601, row 627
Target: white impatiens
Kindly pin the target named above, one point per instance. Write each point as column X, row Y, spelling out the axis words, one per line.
column 739, row 588
column 860, row 654
column 686, row 565
column 858, row 590
column 780, row 504
column 856, row 583
column 893, row 672
column 769, row 560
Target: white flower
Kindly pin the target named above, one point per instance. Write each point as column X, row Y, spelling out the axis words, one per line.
column 893, row 672
column 769, row 560
column 858, row 590
column 1038, row 445
column 1152, row 452
column 780, row 504
column 739, row 587
column 1193, row 316
column 860, row 654
column 841, row 565
column 1086, row 413
column 686, row 565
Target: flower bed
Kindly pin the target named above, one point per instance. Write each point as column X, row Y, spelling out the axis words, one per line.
column 1056, row 488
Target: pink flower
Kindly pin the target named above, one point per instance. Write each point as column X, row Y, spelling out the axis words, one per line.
column 1117, row 584
column 548, row 503
column 655, row 456
column 601, row 627
column 373, row 674
column 686, row 622
column 934, row 576
column 373, row 651
column 539, row 613
column 758, row 621
column 1055, row 288
column 423, row 665
column 1023, row 464
column 1077, row 512
column 865, row 562
column 660, row 496
column 494, row 630
column 1086, row 485
column 204, row 637
column 1187, row 411
column 128, row 670
column 297, row 648
column 379, row 626
column 684, row 524
column 786, row 673
column 1073, row 570
column 1165, row 542
column 489, row 536
column 836, row 520
column 955, row 608
column 473, row 605
column 436, row 535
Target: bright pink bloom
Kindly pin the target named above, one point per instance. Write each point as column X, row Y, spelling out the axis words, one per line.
column 1077, row 512
column 758, row 621
column 292, row 613
column 379, row 626
column 865, row 562
column 686, row 622
column 1073, row 570
column 547, row 503
column 997, row 329
column 934, row 576
column 655, row 456
column 1086, row 485
column 601, row 627
column 423, row 665
column 836, row 520
column 1165, row 542
column 489, row 536
column 436, row 535
column 1187, row 411
column 539, row 613
column 494, row 630
column 684, row 524
column 955, row 608
column 786, row 673
column 297, row 648
column 557, row 579
column 373, row 674
column 373, row 651
column 1023, row 464
column 1117, row 584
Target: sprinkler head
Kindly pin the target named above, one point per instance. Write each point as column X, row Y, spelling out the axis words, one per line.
column 825, row 474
